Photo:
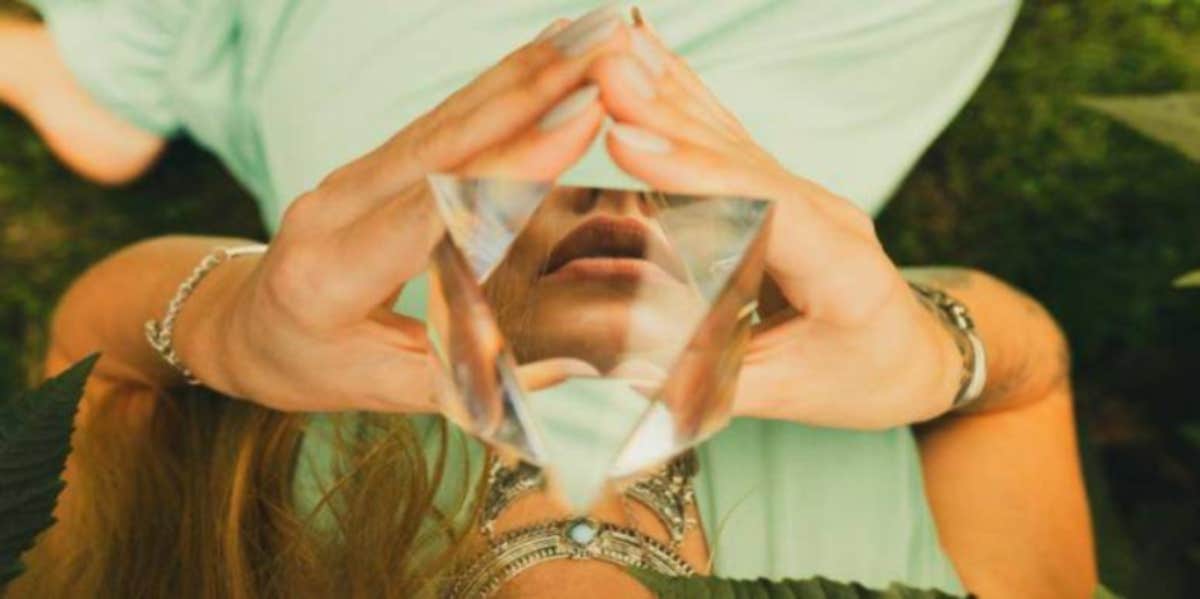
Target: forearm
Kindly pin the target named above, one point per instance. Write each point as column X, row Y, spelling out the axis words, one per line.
column 19, row 41
column 106, row 309
column 90, row 139
column 1008, row 497
column 1005, row 474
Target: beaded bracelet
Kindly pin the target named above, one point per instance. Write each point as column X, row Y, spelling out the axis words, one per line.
column 159, row 333
column 954, row 316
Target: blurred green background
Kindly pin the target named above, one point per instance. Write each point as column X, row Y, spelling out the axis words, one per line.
column 1090, row 217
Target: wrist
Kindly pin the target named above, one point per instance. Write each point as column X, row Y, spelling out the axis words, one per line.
column 926, row 369
column 944, row 362
column 208, row 331
column 917, row 363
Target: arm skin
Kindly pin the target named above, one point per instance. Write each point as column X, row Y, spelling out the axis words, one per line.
column 1003, row 477
column 105, row 310
column 107, row 307
column 93, row 142
column 1003, row 480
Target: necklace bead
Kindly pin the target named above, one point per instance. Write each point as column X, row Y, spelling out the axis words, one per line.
column 582, row 532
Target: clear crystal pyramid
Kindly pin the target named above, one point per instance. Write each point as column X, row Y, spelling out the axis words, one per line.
column 594, row 332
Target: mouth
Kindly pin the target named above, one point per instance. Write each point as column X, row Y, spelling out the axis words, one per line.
column 608, row 247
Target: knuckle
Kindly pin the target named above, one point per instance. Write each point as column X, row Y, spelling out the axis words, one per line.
column 433, row 135
column 304, row 212
column 863, row 222
column 542, row 86
column 439, row 136
column 290, row 278
column 525, row 59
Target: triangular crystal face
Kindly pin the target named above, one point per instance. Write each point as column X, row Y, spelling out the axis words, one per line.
column 594, row 332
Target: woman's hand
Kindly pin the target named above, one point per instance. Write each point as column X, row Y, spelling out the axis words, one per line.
column 311, row 327
column 851, row 346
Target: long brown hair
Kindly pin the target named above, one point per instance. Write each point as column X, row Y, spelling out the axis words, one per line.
column 198, row 500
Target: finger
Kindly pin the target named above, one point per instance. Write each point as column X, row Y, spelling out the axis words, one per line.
column 372, row 257
column 665, row 116
column 809, row 254
column 648, row 46
column 451, row 134
column 644, row 376
column 683, row 97
column 542, row 153
column 391, row 244
column 392, row 369
column 562, row 37
column 386, row 241
column 631, row 95
column 552, row 371
column 674, row 164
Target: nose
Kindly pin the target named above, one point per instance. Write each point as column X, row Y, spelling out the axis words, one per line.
column 618, row 202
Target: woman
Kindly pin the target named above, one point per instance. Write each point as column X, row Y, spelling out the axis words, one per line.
column 1002, row 479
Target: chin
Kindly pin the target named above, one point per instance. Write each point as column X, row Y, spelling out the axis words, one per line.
column 601, row 331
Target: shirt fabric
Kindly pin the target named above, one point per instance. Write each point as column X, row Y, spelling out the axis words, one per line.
column 845, row 92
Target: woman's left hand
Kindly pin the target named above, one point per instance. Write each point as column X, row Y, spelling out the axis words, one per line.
column 851, row 346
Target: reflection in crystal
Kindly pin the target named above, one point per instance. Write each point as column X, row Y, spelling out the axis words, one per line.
column 641, row 300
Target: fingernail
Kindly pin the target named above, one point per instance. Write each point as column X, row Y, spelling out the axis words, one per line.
column 645, row 51
column 636, row 13
column 640, row 139
column 587, row 31
column 636, row 78
column 569, row 107
column 551, row 29
column 640, row 21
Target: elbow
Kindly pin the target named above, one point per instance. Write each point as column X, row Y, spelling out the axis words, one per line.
column 1048, row 360
column 87, row 137
column 116, row 166
column 1041, row 365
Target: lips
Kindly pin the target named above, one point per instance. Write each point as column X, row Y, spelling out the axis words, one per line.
column 620, row 239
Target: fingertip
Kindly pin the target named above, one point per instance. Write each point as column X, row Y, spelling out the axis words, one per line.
column 552, row 152
column 570, row 107
column 648, row 52
column 626, row 88
column 669, row 165
column 554, row 27
column 639, row 140
column 632, row 159
column 552, row 371
column 541, row 154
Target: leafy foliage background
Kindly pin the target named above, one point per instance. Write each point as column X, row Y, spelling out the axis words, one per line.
column 1087, row 215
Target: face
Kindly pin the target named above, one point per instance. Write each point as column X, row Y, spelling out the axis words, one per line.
column 593, row 276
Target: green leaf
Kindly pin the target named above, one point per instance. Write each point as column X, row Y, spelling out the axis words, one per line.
column 712, row 587
column 1103, row 593
column 35, row 438
column 1191, row 279
column 1170, row 119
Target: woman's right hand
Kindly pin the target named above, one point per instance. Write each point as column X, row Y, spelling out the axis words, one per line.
column 309, row 328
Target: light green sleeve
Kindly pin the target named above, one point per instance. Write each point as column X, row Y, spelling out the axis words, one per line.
column 120, row 51
column 784, row 500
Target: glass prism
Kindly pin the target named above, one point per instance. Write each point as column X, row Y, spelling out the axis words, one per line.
column 594, row 332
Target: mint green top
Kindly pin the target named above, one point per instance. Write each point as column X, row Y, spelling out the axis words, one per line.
column 846, row 92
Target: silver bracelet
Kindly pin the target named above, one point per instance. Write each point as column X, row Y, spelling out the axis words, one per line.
column 159, row 333
column 955, row 317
